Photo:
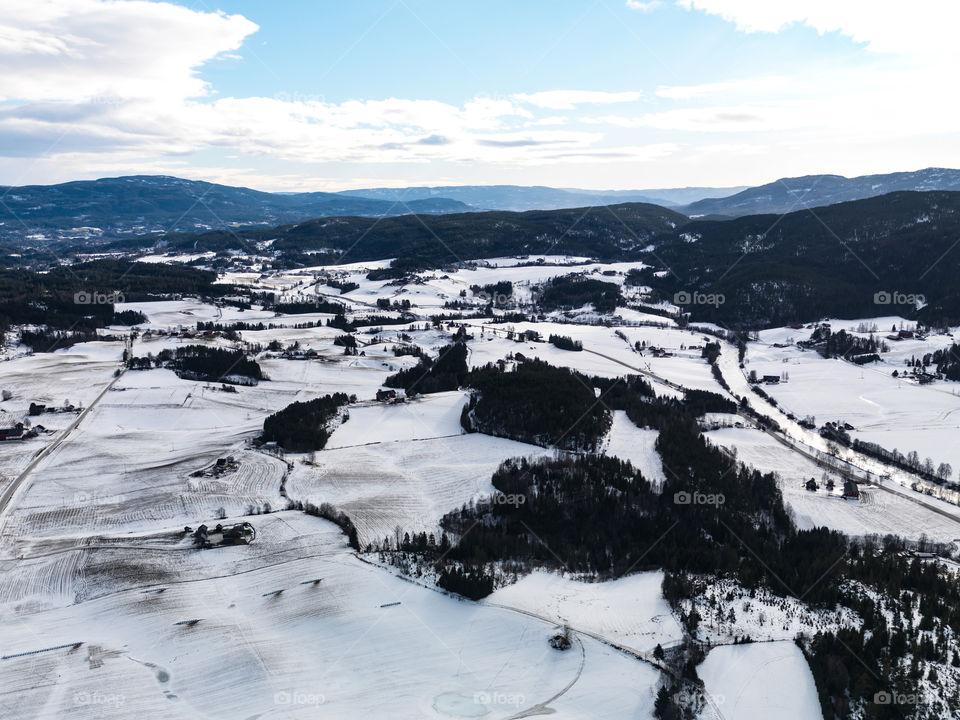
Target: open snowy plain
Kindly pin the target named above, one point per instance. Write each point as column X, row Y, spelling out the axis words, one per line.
column 107, row 610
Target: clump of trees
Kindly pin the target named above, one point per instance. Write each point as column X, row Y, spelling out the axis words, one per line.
column 847, row 346
column 128, row 317
column 566, row 343
column 311, row 305
column 536, row 403
column 303, row 426
column 704, row 401
column 574, row 291
column 911, row 462
column 200, row 362
column 445, row 372
column 947, row 361
column 497, row 293
column 46, row 340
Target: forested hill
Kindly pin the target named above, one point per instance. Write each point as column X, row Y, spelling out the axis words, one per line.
column 610, row 232
column 769, row 269
column 801, row 266
column 137, row 205
column 812, row 191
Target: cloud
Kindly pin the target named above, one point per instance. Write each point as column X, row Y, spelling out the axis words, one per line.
column 78, row 50
column 569, row 99
column 689, row 92
column 114, row 86
column 95, row 78
column 924, row 27
column 713, row 119
column 644, row 6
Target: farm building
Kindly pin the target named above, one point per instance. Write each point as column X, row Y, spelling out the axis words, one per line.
column 850, row 490
column 12, row 433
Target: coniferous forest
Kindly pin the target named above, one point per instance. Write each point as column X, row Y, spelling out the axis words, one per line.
column 303, row 426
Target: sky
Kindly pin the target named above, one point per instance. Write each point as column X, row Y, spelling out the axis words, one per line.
column 606, row 94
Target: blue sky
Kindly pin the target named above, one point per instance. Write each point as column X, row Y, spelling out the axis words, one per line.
column 604, row 94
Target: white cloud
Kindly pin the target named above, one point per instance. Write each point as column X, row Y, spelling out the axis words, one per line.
column 644, row 6
column 117, row 78
column 110, row 87
column 569, row 99
column 75, row 50
column 924, row 27
column 717, row 119
column 689, row 92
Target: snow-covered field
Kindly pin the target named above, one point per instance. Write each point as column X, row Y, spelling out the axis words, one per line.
column 636, row 445
column 96, row 527
column 630, row 610
column 877, row 512
column 894, row 412
column 410, row 485
column 760, row 680
column 312, row 649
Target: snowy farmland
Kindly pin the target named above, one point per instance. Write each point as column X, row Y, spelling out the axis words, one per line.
column 761, row 680
column 315, row 647
column 105, row 598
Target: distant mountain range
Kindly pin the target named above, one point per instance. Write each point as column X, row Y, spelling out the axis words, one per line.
column 148, row 204
column 151, row 205
column 517, row 198
column 789, row 194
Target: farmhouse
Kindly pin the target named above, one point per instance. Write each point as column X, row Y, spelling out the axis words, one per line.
column 12, row 433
